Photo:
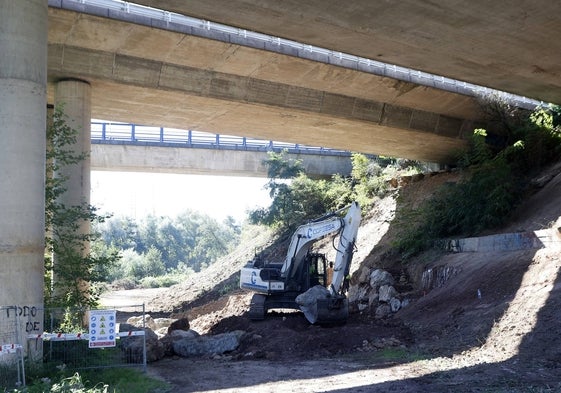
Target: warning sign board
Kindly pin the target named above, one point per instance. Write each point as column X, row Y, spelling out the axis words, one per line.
column 102, row 328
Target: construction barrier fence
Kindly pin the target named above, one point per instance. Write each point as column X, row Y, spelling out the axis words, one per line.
column 12, row 370
column 69, row 339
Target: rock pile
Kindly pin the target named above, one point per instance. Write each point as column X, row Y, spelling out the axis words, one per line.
column 168, row 337
column 376, row 292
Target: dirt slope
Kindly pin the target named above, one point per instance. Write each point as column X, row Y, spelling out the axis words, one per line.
column 493, row 326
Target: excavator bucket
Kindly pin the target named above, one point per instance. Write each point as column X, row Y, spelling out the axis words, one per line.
column 320, row 307
column 332, row 311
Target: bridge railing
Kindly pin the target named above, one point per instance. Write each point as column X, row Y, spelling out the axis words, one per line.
column 133, row 134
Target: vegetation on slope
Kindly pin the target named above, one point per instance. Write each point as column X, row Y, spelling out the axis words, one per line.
column 495, row 175
column 495, row 172
column 296, row 198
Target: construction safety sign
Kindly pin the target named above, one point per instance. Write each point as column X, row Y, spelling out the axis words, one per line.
column 102, row 331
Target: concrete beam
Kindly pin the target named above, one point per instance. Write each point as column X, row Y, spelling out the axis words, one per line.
column 129, row 158
column 506, row 47
column 154, row 77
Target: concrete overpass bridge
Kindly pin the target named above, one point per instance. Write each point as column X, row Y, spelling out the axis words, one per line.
column 140, row 71
column 153, row 71
column 133, row 148
column 218, row 78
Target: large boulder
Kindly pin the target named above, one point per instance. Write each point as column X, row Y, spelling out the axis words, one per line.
column 168, row 339
column 386, row 293
column 308, row 301
column 207, row 345
column 133, row 346
column 380, row 277
column 180, row 324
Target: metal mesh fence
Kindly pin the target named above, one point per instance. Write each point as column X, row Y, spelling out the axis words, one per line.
column 12, row 372
column 77, row 339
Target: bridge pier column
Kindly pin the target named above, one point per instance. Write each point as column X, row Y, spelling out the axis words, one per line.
column 23, row 106
column 74, row 97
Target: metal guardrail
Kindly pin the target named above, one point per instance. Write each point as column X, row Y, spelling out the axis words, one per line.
column 134, row 13
column 133, row 134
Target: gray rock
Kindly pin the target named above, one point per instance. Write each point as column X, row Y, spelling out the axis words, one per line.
column 386, row 292
column 311, row 295
column 177, row 334
column 308, row 301
column 395, row 304
column 382, row 311
column 133, row 347
column 207, row 345
column 380, row 277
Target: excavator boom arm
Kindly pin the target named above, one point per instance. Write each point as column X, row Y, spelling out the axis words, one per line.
column 347, row 239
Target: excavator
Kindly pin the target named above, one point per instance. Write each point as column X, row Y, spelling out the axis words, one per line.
column 304, row 280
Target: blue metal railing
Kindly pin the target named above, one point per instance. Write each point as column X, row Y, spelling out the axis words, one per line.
column 134, row 134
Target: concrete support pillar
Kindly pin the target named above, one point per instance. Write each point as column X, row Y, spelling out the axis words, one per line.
column 74, row 97
column 23, row 105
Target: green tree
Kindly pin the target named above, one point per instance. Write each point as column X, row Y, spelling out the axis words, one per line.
column 68, row 282
column 280, row 169
column 191, row 240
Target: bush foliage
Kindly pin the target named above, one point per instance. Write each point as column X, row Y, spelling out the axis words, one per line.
column 495, row 175
column 298, row 198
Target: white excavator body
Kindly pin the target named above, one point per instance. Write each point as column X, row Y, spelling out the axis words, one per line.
column 301, row 280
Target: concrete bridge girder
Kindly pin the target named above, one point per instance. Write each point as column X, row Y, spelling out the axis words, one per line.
column 245, row 94
column 149, row 158
column 508, row 47
column 163, row 48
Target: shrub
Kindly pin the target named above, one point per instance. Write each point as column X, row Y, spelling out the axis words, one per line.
column 493, row 182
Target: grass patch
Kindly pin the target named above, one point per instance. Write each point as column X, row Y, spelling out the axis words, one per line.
column 123, row 380
column 389, row 355
column 114, row 380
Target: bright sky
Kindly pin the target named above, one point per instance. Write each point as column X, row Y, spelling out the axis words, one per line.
column 137, row 194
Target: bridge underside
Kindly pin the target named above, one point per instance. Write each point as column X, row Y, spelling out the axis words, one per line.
column 155, row 77
column 507, row 46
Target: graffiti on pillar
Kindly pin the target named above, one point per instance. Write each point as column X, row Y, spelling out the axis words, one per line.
column 31, row 316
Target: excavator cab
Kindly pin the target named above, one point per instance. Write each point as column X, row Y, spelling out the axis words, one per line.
column 317, row 270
